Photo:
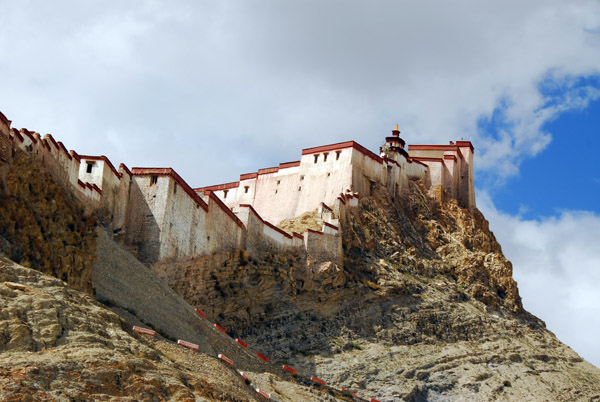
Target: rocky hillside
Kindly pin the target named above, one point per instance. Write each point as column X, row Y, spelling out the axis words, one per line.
column 41, row 224
column 58, row 344
column 424, row 309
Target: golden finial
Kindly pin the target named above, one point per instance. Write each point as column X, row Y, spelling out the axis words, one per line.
column 396, row 127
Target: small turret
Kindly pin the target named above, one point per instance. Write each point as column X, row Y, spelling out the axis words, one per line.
column 394, row 146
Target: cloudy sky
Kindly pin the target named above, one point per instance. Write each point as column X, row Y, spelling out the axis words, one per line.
column 218, row 88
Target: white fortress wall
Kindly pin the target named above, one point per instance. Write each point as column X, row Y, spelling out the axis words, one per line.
column 161, row 214
column 467, row 184
column 6, row 140
column 222, row 228
column 91, row 170
column 183, row 215
column 437, row 173
column 411, row 168
column 330, row 229
column 122, row 199
column 321, row 175
column 367, row 169
column 451, row 175
column 292, row 188
column 277, row 193
column 263, row 190
column 255, row 240
column 325, row 172
column 68, row 164
column 459, row 172
column 166, row 218
column 328, row 214
column 228, row 193
column 262, row 235
column 145, row 215
column 99, row 171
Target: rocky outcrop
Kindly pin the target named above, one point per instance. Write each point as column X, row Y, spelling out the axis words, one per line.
column 423, row 309
column 58, row 344
column 423, row 237
column 42, row 226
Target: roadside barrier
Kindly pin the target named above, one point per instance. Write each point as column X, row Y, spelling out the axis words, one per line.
column 225, row 358
column 345, row 392
column 187, row 344
column 144, row 331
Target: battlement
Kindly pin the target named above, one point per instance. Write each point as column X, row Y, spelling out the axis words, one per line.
column 155, row 211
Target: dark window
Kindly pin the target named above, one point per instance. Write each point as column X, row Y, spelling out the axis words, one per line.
column 90, row 166
column 175, row 189
column 153, row 180
column 299, row 188
column 246, row 189
column 316, row 158
column 225, row 193
column 325, row 157
column 337, row 155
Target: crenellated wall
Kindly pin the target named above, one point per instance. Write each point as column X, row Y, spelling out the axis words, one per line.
column 156, row 212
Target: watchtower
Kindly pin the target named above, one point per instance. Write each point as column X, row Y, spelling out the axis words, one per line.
column 393, row 147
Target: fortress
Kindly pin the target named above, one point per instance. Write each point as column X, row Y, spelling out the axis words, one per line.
column 156, row 212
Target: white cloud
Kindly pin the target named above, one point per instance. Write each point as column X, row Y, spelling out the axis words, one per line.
column 556, row 263
column 176, row 83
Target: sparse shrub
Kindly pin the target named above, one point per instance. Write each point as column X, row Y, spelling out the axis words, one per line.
column 355, row 346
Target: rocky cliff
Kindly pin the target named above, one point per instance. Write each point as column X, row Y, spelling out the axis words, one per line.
column 41, row 224
column 424, row 308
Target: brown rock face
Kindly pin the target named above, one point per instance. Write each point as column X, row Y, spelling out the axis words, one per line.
column 424, row 309
column 57, row 344
column 43, row 227
column 432, row 239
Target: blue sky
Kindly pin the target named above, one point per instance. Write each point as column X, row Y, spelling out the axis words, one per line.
column 565, row 176
column 215, row 88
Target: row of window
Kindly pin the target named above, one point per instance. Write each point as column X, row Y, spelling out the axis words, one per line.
column 325, row 154
column 246, row 188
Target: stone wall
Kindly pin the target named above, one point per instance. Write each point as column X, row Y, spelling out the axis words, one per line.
column 114, row 185
column 168, row 220
column 451, row 169
column 224, row 228
column 164, row 221
column 323, row 246
column 262, row 235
